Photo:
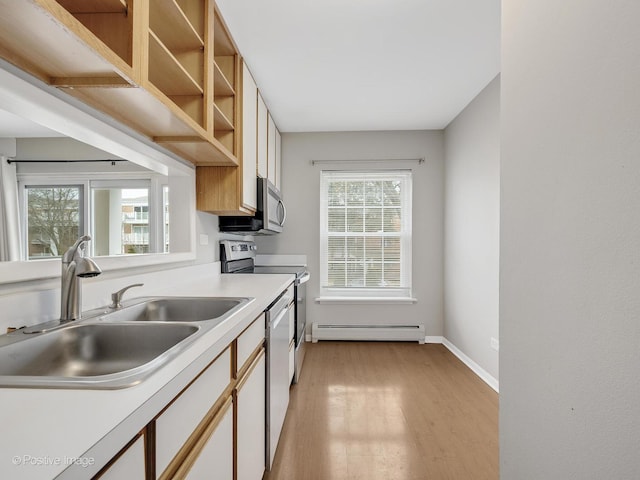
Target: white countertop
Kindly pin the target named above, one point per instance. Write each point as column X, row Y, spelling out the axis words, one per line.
column 44, row 429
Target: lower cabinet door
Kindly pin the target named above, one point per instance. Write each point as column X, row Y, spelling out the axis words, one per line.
column 251, row 422
column 213, row 457
column 129, row 465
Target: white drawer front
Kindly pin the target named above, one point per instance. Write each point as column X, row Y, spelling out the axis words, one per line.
column 179, row 421
column 216, row 459
column 250, row 339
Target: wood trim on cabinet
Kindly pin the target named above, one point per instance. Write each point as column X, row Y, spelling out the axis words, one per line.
column 250, row 366
column 122, row 451
column 188, row 455
column 90, row 82
column 96, row 6
column 91, row 40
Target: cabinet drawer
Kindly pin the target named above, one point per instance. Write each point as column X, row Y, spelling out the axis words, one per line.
column 251, row 419
column 177, row 423
column 130, row 464
column 249, row 340
column 212, row 457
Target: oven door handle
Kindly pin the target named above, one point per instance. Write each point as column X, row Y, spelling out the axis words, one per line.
column 279, row 318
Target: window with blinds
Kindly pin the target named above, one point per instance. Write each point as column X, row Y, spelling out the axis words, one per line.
column 365, row 229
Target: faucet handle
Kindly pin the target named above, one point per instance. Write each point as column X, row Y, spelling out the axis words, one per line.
column 116, row 297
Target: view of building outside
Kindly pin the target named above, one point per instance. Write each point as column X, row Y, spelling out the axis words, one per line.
column 135, row 221
column 120, row 220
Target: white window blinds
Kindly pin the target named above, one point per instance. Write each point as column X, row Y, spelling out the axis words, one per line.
column 365, row 229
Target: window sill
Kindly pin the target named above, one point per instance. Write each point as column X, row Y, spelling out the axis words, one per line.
column 367, row 300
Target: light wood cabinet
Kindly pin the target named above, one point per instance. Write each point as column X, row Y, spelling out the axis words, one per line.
column 166, row 68
column 233, row 190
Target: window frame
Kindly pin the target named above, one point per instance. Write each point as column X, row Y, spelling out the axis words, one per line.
column 401, row 292
column 154, row 183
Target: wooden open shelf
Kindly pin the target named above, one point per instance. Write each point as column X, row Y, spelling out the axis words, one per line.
column 220, row 121
column 94, row 6
column 153, row 70
column 171, row 24
column 48, row 49
column 167, row 73
column 221, row 85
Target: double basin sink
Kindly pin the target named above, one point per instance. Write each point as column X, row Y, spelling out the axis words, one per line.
column 112, row 349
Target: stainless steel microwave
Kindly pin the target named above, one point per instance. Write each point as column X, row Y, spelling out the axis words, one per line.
column 269, row 218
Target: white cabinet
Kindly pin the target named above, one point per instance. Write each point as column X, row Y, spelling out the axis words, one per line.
column 213, row 455
column 249, row 138
column 271, row 149
column 251, row 422
column 269, row 146
column 278, row 160
column 130, row 464
column 176, row 424
column 262, row 137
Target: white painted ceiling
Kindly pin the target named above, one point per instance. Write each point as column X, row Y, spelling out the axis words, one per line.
column 349, row 65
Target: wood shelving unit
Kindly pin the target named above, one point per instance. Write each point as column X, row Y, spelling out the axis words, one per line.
column 166, row 68
column 95, row 6
column 168, row 74
column 226, row 77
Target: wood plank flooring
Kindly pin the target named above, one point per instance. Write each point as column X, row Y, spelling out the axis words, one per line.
column 387, row 411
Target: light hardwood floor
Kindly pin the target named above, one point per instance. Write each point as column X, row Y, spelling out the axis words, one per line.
column 387, row 411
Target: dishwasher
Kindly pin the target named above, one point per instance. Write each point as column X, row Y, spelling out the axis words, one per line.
column 278, row 381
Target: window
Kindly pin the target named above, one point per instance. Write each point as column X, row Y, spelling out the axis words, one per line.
column 365, row 234
column 121, row 206
column 54, row 219
column 125, row 216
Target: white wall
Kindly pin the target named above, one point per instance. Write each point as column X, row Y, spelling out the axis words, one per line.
column 472, row 228
column 301, row 191
column 570, row 240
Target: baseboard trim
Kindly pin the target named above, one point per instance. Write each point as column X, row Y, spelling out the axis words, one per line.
column 485, row 376
column 433, row 339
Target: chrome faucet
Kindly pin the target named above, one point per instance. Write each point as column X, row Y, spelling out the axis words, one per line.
column 74, row 267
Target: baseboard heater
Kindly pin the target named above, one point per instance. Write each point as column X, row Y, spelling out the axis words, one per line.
column 395, row 333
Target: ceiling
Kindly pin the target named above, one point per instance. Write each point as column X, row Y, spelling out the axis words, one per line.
column 349, row 65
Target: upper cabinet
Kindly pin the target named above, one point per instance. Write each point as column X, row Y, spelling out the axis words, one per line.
column 269, row 142
column 233, row 190
column 263, row 117
column 167, row 68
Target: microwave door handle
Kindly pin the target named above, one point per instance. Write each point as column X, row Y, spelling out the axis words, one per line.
column 284, row 213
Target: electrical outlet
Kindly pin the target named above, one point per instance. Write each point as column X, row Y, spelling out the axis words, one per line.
column 204, row 239
column 495, row 344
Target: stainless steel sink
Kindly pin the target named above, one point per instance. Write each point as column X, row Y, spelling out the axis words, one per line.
column 91, row 355
column 179, row 309
column 112, row 349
